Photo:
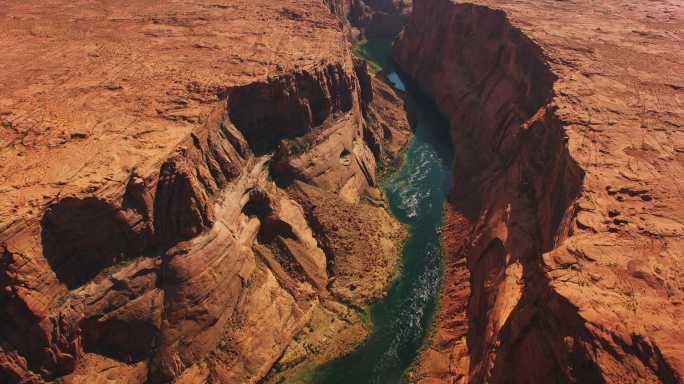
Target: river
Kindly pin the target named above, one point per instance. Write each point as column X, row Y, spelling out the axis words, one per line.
column 416, row 194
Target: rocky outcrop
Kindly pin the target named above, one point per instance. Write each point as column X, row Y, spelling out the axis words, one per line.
column 386, row 127
column 555, row 271
column 338, row 225
column 360, row 239
column 216, row 289
column 290, row 105
column 145, row 239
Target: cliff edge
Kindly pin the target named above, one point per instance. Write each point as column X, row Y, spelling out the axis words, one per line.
column 565, row 228
column 162, row 170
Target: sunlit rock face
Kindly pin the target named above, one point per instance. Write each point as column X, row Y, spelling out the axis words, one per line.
column 149, row 226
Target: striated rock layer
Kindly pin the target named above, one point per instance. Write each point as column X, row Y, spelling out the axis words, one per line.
column 150, row 227
column 564, row 232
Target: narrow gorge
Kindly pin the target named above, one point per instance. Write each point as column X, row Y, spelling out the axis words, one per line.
column 341, row 191
column 562, row 243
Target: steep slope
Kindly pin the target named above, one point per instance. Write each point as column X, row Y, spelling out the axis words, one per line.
column 143, row 236
column 564, row 229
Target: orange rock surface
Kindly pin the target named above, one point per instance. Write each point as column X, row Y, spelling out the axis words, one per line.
column 143, row 236
column 91, row 90
column 565, row 230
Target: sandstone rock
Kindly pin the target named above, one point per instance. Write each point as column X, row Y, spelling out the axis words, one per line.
column 562, row 119
column 362, row 245
column 141, row 236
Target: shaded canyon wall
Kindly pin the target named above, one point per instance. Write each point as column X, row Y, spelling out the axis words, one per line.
column 517, row 302
column 367, row 19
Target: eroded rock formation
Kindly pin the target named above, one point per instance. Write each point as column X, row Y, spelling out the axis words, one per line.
column 169, row 184
column 564, row 228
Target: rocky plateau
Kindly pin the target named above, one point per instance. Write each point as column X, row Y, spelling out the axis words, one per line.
column 184, row 184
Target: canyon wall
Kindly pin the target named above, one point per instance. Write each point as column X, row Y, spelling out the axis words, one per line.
column 564, row 229
column 173, row 220
column 367, row 19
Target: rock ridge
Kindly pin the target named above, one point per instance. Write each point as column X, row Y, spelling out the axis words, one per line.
column 170, row 254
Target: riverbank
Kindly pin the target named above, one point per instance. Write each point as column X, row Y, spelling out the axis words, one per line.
column 342, row 321
column 416, row 193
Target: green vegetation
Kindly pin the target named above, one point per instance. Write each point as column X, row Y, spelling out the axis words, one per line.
column 365, row 317
column 376, row 52
column 391, row 164
column 305, row 376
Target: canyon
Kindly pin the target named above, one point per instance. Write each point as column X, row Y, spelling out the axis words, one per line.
column 185, row 186
column 564, row 228
column 194, row 191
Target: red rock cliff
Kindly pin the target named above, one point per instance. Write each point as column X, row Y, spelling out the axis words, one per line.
column 565, row 225
column 142, row 238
